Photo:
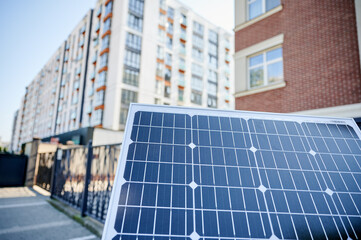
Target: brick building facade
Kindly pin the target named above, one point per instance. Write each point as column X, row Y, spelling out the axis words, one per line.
column 318, row 68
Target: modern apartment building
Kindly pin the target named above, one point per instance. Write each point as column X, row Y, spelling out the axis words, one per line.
column 123, row 51
column 298, row 56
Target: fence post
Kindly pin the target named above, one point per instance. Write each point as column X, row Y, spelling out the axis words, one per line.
column 87, row 178
column 53, row 172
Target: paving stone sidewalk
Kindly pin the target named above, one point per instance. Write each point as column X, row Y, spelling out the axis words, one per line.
column 26, row 214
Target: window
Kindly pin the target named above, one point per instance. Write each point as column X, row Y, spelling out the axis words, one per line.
column 134, row 41
column 170, row 12
column 167, row 91
column 213, row 36
column 168, row 74
column 265, row 68
column 212, row 88
column 197, row 41
column 197, row 83
column 160, row 52
column 159, row 69
column 104, row 60
column 123, row 115
column 212, row 76
column 161, row 19
column 162, row 4
column 131, row 77
column 170, row 28
column 108, row 8
column 182, row 64
column 182, row 48
column 129, row 97
column 169, row 42
column 168, row 59
column 196, row 97
column 105, row 42
column 197, row 54
column 180, row 94
column 136, row 6
column 213, row 49
column 135, row 22
column 99, row 98
column 213, row 61
column 91, row 90
column 106, row 25
column 101, row 79
column 198, row 28
column 98, row 117
column 212, row 101
column 181, row 80
column 183, row 19
column 132, row 59
column 158, row 87
column 197, row 70
column 161, row 35
column 258, row 7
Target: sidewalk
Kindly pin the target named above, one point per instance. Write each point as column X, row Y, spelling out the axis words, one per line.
column 26, row 214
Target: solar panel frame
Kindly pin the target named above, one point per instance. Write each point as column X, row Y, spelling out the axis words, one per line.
column 109, row 231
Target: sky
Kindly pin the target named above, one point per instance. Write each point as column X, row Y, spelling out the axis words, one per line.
column 32, row 30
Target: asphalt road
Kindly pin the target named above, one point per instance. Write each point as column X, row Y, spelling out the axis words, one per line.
column 25, row 214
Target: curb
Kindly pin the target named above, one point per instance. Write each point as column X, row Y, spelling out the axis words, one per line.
column 91, row 224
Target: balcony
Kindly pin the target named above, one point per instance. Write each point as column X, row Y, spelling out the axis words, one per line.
column 182, row 67
column 78, row 71
column 97, row 27
column 62, row 83
column 182, row 51
column 226, row 84
column 95, row 41
column 228, row 58
column 92, row 76
column 226, row 98
column 99, row 11
column 89, row 109
column 100, row 84
column 227, row 46
column 82, row 30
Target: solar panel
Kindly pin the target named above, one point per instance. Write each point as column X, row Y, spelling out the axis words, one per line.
column 189, row 173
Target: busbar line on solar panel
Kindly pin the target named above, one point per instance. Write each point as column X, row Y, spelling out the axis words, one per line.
column 188, row 173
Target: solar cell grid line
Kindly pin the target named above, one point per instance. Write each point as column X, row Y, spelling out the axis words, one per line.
column 336, row 207
column 295, row 178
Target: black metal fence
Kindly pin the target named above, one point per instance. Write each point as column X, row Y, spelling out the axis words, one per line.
column 81, row 176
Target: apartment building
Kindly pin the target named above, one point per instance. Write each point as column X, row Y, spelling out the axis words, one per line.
column 123, row 51
column 298, row 56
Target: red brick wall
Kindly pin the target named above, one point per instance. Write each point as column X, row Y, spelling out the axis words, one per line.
column 320, row 56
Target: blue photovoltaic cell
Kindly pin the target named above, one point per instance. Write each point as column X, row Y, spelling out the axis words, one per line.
column 211, row 177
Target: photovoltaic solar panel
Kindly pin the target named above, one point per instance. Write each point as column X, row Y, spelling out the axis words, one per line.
column 189, row 173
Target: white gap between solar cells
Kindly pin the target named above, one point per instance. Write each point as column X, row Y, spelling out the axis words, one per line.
column 193, row 185
column 191, row 145
column 194, row 236
column 253, row 149
column 262, row 188
column 329, row 191
column 349, row 238
column 313, row 153
column 273, row 237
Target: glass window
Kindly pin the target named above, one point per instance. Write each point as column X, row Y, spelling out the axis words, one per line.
column 99, row 98
column 108, row 8
column 197, row 69
column 197, row 54
column 106, row 26
column 101, row 79
column 158, row 87
column 132, row 59
column 133, row 41
column 160, row 52
column 98, row 114
column 170, row 12
column 169, row 42
column 180, row 94
column 182, row 48
column 104, row 60
column 212, row 36
column 196, row 97
column 170, row 28
column 212, row 101
column 183, row 19
column 265, row 68
column 135, row 22
column 182, row 64
column 198, row 28
column 258, row 7
column 213, row 49
column 212, row 88
column 123, row 115
column 131, row 77
column 197, row 83
column 136, row 6
column 213, row 61
column 161, row 35
column 167, row 91
column 168, row 59
column 105, row 42
column 162, row 4
column 161, row 19
column 197, row 41
column 212, row 76
column 168, row 74
column 129, row 97
column 159, row 69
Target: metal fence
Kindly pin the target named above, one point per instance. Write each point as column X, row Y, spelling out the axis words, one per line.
column 82, row 176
